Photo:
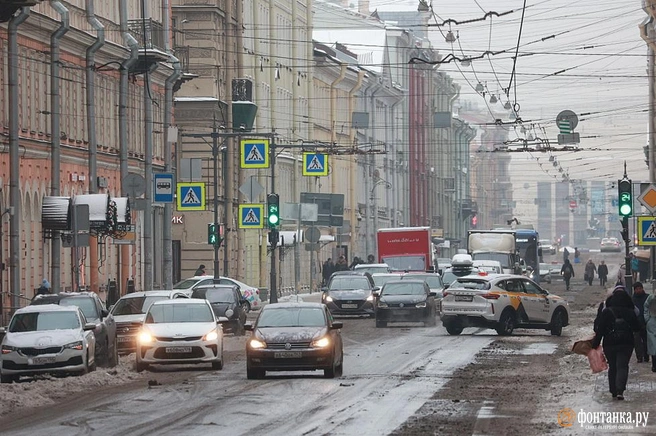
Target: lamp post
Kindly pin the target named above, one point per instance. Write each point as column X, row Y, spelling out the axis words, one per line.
column 374, row 208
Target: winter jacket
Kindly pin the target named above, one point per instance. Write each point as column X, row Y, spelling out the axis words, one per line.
column 603, row 270
column 650, row 320
column 639, row 301
column 606, row 324
column 567, row 270
column 590, row 270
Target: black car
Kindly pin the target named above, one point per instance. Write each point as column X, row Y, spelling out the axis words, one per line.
column 226, row 301
column 406, row 301
column 350, row 293
column 95, row 312
column 294, row 337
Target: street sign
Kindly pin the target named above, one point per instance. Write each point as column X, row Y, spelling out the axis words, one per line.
column 564, row 127
column 251, row 216
column 312, row 234
column 251, row 189
column 648, row 198
column 164, row 188
column 134, row 185
column 646, row 230
column 573, row 204
column 309, row 212
column 254, row 153
column 330, row 208
column 191, row 196
column 315, row 164
column 568, row 116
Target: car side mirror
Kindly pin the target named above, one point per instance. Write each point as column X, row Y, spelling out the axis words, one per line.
column 111, row 307
column 89, row 326
column 376, row 293
column 104, row 313
column 248, row 326
column 432, row 294
column 3, row 330
column 376, row 288
column 324, row 289
column 337, row 325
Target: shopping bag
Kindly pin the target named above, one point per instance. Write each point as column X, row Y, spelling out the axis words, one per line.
column 582, row 347
column 597, row 360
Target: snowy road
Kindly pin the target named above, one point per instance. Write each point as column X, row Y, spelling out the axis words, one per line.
column 388, row 375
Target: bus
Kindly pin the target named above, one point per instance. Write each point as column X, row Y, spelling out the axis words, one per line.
column 527, row 243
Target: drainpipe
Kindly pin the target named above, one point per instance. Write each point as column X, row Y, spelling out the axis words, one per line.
column 14, row 161
column 333, row 131
column 55, row 138
column 123, row 122
column 168, row 167
column 353, row 164
column 372, row 162
column 398, row 188
column 91, row 127
column 452, row 140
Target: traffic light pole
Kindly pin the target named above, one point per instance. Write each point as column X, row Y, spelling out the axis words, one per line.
column 215, row 157
column 628, row 276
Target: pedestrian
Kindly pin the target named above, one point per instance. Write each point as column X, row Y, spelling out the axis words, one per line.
column 567, row 271
column 371, row 259
column 356, row 261
column 650, row 323
column 341, row 264
column 327, row 270
column 590, row 270
column 565, row 254
column 635, row 266
column 577, row 255
column 621, row 275
column 639, row 298
column 616, row 325
column 603, row 273
column 44, row 289
column 200, row 271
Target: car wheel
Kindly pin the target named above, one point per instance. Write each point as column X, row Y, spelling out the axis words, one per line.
column 506, row 323
column 113, row 359
column 8, row 378
column 238, row 329
column 140, row 366
column 454, row 328
column 217, row 365
column 92, row 367
column 380, row 323
column 330, row 372
column 254, row 374
column 431, row 321
column 102, row 354
column 557, row 323
column 247, row 307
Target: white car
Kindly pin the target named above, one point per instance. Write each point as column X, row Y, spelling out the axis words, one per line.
column 180, row 331
column 47, row 339
column 250, row 293
column 502, row 302
column 129, row 313
column 373, row 268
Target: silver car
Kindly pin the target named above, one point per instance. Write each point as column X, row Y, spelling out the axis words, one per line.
column 47, row 339
column 180, row 331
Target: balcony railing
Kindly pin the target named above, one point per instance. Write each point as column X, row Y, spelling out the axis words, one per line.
column 153, row 29
column 182, row 53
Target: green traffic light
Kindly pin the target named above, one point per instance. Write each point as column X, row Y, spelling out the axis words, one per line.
column 273, row 219
column 625, row 210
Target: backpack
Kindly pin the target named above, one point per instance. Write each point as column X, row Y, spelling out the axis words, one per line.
column 620, row 332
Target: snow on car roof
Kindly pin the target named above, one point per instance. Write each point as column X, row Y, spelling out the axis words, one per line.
column 154, row 293
column 47, row 308
column 181, row 301
column 65, row 294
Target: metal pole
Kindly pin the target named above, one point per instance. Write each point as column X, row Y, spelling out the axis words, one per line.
column 76, row 269
column 215, row 156
column 226, row 204
column 148, row 163
column 297, row 251
column 273, row 298
column 651, row 70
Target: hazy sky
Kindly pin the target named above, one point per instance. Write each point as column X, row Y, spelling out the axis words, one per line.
column 585, row 56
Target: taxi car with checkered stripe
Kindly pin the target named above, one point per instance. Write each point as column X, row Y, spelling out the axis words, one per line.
column 502, row 302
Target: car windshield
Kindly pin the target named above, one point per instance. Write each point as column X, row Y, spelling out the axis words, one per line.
column 380, row 280
column 406, row 263
column 348, row 283
column 135, row 305
column 185, row 284
column 87, row 305
column 403, row 289
column 502, row 258
column 432, row 280
column 166, row 313
column 42, row 321
column 292, row 317
column 480, row 285
column 220, row 295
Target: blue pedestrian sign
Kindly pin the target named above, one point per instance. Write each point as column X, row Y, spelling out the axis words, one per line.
column 646, row 230
column 191, row 196
column 315, row 164
column 250, row 216
column 164, row 188
column 254, row 153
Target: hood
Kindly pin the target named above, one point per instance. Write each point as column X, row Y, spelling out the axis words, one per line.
column 51, row 338
column 350, row 294
column 290, row 334
column 126, row 319
column 180, row 328
column 409, row 299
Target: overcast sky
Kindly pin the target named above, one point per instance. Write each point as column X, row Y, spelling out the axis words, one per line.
column 600, row 60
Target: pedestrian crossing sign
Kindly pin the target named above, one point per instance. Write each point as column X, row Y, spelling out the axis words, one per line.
column 191, row 196
column 315, row 164
column 250, row 216
column 254, row 153
column 646, row 230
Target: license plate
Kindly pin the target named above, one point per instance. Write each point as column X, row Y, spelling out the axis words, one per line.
column 464, row 297
column 42, row 360
column 349, row 306
column 124, row 338
column 171, row 350
column 287, row 355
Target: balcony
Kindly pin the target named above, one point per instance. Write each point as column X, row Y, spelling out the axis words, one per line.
column 150, row 35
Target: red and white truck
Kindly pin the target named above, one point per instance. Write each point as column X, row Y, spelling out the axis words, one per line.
column 406, row 248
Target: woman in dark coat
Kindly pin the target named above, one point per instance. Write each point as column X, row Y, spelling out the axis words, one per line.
column 567, row 271
column 615, row 327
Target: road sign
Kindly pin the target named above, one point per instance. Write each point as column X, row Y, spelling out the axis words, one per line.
column 315, row 164
column 646, row 230
column 569, row 116
column 572, row 204
column 254, row 153
column 251, row 189
column 312, row 234
column 564, row 126
column 134, row 185
column 164, row 188
column 648, row 198
column 191, row 196
column 251, row 216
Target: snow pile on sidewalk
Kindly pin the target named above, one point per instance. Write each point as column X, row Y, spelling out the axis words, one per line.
column 45, row 390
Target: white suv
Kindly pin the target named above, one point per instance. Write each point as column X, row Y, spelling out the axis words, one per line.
column 502, row 302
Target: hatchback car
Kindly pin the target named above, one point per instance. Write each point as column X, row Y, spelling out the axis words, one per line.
column 226, row 302
column 180, row 331
column 502, row 302
column 610, row 245
column 47, row 339
column 408, row 300
column 294, row 337
column 350, row 293
column 434, row 282
column 250, row 293
column 129, row 313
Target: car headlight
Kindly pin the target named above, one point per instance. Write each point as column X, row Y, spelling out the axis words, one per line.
column 145, row 337
column 256, row 343
column 6, row 349
column 321, row 343
column 382, row 304
column 328, row 298
column 75, row 346
column 422, row 304
column 211, row 336
column 229, row 313
column 370, row 298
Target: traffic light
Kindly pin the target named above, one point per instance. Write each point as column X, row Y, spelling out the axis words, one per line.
column 625, row 197
column 213, row 234
column 273, row 211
